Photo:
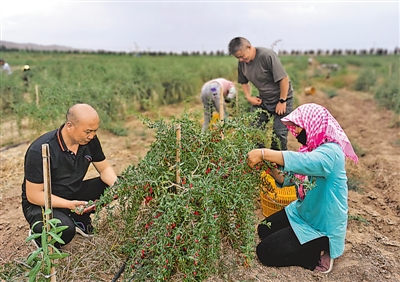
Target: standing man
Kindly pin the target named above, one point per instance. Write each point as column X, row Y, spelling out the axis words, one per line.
column 262, row 67
column 73, row 147
column 210, row 96
column 5, row 67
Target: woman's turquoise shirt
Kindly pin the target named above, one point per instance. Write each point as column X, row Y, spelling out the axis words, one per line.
column 323, row 212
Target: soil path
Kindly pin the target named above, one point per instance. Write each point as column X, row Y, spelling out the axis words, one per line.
column 373, row 239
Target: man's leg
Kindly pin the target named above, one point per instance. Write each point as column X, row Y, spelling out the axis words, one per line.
column 260, row 122
column 91, row 189
column 279, row 140
column 280, row 130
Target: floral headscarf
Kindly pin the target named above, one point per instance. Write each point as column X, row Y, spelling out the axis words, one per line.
column 320, row 126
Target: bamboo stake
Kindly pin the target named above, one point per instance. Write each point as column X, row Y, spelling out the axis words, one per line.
column 237, row 103
column 47, row 196
column 221, row 107
column 178, row 153
column 221, row 104
column 37, row 95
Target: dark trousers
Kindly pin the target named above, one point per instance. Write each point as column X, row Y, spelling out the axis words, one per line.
column 91, row 189
column 279, row 245
column 280, row 131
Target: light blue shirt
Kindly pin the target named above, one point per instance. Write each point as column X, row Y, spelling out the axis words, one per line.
column 323, row 212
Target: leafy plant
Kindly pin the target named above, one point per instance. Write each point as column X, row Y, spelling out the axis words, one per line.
column 388, row 95
column 40, row 261
column 330, row 93
column 366, row 80
column 355, row 184
column 173, row 216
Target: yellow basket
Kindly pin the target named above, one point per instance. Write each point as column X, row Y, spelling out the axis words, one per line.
column 274, row 199
column 214, row 119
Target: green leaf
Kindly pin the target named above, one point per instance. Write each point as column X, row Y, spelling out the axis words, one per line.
column 47, row 266
column 36, row 223
column 56, row 237
column 33, row 236
column 53, row 223
column 47, row 212
column 44, row 242
column 33, row 255
column 54, row 220
column 58, row 255
column 34, row 271
column 60, row 229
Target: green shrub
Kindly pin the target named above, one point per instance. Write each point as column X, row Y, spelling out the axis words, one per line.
column 388, row 95
column 331, row 93
column 175, row 229
column 366, row 80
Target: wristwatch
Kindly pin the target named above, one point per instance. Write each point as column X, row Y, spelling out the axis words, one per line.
column 282, row 101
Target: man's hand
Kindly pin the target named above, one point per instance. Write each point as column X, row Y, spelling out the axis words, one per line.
column 255, row 101
column 280, row 108
column 78, row 207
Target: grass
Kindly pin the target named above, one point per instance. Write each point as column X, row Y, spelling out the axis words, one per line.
column 358, row 218
column 330, row 92
column 355, row 184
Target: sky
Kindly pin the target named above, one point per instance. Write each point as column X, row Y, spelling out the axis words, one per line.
column 177, row 26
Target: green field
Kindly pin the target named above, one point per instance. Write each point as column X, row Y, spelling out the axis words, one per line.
column 118, row 85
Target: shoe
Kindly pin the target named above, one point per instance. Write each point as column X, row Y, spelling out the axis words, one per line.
column 325, row 263
column 35, row 244
column 84, row 230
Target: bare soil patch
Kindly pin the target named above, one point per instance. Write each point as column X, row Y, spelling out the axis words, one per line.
column 372, row 250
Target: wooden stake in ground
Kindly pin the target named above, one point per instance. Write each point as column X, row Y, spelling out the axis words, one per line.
column 221, row 107
column 47, row 196
column 178, row 153
column 237, row 103
column 37, row 95
column 221, row 104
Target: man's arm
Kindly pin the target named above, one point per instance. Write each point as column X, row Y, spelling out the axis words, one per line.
column 252, row 100
column 284, row 87
column 35, row 195
column 107, row 173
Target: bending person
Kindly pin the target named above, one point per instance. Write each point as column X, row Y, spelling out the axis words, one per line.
column 210, row 96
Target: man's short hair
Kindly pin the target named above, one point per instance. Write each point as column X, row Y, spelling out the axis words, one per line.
column 237, row 44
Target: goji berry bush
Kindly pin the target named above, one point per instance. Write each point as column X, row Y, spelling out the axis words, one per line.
column 175, row 230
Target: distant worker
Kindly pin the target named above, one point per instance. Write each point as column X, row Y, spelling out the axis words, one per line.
column 5, row 67
column 210, row 96
column 26, row 74
column 310, row 61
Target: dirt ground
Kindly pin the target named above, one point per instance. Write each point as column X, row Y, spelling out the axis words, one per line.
column 372, row 251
